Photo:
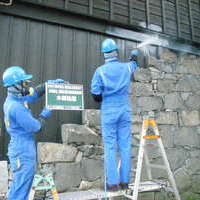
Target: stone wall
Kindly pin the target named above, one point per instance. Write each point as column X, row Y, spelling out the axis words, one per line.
column 3, row 178
column 169, row 86
column 78, row 162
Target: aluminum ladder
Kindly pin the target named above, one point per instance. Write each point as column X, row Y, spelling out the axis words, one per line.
column 43, row 181
column 150, row 121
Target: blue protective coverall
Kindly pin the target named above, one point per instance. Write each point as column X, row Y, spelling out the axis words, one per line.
column 112, row 81
column 21, row 126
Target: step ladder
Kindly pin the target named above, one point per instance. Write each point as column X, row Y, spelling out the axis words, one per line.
column 149, row 121
column 43, row 181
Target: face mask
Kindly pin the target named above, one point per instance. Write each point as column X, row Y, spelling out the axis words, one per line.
column 23, row 88
column 110, row 55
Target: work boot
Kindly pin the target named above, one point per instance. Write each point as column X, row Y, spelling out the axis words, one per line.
column 113, row 188
column 124, row 186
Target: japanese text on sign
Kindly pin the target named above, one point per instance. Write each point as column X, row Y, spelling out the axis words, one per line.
column 64, row 96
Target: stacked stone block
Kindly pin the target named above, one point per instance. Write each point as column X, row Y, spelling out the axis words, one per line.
column 77, row 163
column 3, row 178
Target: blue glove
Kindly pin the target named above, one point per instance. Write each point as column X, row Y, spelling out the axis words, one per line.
column 56, row 81
column 134, row 54
column 46, row 113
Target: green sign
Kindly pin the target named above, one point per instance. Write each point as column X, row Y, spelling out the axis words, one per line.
column 64, row 96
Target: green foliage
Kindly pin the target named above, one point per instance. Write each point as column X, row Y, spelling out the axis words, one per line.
column 193, row 197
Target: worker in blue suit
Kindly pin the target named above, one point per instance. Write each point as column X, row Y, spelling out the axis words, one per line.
column 21, row 126
column 110, row 86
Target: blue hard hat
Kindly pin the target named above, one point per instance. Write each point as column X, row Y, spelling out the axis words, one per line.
column 14, row 75
column 108, row 45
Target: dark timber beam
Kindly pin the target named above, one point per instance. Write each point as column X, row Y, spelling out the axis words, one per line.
column 177, row 18
column 163, row 15
column 130, row 11
column 111, row 9
column 191, row 20
column 91, row 5
column 147, row 13
column 66, row 3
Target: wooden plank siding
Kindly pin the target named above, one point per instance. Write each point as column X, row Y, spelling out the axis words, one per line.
column 185, row 25
column 195, row 14
column 50, row 51
column 170, row 18
column 178, row 18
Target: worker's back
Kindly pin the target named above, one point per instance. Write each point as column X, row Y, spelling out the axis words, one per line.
column 115, row 77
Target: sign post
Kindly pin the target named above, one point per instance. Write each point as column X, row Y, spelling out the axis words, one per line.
column 64, row 96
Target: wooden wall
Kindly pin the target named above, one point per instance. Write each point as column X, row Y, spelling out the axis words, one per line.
column 176, row 18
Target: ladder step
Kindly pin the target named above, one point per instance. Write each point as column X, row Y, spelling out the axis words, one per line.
column 89, row 195
column 100, row 194
column 151, row 136
column 150, row 186
column 157, row 166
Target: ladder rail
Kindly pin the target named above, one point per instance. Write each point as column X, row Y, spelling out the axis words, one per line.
column 43, row 182
column 31, row 194
column 139, row 162
column 148, row 169
column 143, row 154
column 170, row 174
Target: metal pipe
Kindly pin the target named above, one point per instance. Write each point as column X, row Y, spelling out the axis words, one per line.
column 7, row 4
